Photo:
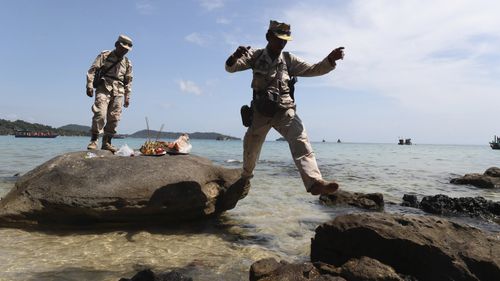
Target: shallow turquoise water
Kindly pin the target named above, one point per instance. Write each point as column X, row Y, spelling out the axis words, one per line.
column 277, row 218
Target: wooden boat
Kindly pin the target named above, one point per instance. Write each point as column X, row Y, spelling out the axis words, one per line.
column 31, row 134
column 495, row 144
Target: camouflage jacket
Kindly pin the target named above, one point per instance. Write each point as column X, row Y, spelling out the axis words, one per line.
column 118, row 80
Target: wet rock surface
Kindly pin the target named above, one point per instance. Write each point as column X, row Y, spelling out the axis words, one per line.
column 489, row 179
column 149, row 275
column 369, row 201
column 463, row 206
column 363, row 268
column 72, row 189
column 271, row 270
column 417, row 247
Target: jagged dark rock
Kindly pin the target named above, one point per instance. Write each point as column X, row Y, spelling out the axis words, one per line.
column 410, row 201
column 72, row 189
column 149, row 275
column 271, row 270
column 370, row 201
column 366, row 268
column 424, row 247
column 489, row 179
column 362, row 269
column 463, row 206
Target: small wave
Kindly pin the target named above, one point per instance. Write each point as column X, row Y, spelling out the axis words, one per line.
column 233, row 161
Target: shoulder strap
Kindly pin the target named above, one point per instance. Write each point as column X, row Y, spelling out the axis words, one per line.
column 293, row 79
column 109, row 68
column 288, row 61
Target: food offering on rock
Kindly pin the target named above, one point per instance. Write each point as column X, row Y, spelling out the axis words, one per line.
column 152, row 148
column 157, row 148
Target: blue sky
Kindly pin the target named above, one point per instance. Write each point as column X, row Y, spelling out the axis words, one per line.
column 429, row 70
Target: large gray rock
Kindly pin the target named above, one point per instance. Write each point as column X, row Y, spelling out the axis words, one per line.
column 427, row 248
column 73, row 189
column 489, row 179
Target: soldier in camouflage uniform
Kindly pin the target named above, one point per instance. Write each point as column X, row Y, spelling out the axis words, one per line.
column 111, row 76
column 274, row 107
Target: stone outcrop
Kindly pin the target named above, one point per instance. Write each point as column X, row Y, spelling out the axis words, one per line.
column 490, row 179
column 271, row 270
column 370, row 201
column 149, row 275
column 421, row 247
column 362, row 269
column 463, row 206
column 107, row 189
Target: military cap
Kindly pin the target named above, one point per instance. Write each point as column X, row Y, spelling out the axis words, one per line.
column 125, row 41
column 281, row 30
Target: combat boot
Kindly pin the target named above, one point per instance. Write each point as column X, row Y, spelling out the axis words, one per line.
column 322, row 187
column 93, row 142
column 106, row 144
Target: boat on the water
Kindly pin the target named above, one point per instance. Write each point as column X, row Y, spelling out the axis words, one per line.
column 35, row 134
column 404, row 141
column 495, row 144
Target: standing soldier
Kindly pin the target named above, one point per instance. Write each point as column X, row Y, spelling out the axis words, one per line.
column 273, row 104
column 111, row 76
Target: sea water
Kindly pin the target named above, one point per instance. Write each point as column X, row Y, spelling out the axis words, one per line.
column 277, row 218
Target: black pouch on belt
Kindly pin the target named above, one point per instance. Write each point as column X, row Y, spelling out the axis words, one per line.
column 267, row 103
column 246, row 115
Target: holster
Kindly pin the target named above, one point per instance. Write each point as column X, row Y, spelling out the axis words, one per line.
column 246, row 115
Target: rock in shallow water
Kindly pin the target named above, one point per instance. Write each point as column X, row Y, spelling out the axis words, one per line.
column 425, row 247
column 107, row 189
column 490, row 179
column 369, row 201
column 463, row 206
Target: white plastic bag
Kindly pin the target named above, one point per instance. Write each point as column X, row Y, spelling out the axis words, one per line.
column 125, row 150
column 186, row 149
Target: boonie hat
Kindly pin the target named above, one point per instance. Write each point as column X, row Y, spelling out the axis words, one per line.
column 125, row 41
column 281, row 30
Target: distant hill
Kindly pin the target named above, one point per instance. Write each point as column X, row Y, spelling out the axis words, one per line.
column 174, row 135
column 75, row 127
column 10, row 127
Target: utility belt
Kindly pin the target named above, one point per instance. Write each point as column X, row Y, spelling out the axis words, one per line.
column 268, row 103
column 124, row 81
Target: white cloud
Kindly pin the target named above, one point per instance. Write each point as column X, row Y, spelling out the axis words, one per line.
column 197, row 39
column 427, row 55
column 212, row 4
column 144, row 7
column 187, row 86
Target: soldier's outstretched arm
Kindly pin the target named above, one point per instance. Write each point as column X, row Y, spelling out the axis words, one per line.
column 240, row 51
column 239, row 60
column 335, row 55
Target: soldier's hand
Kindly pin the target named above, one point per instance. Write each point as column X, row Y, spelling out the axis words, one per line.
column 127, row 102
column 90, row 92
column 241, row 51
column 336, row 54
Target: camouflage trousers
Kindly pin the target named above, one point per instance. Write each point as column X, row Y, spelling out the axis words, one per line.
column 107, row 110
column 289, row 125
